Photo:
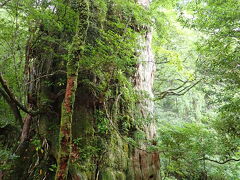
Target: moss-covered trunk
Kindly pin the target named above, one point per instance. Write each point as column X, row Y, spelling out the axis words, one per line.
column 99, row 114
column 65, row 134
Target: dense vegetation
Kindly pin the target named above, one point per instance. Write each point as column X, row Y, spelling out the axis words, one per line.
column 199, row 132
column 69, row 95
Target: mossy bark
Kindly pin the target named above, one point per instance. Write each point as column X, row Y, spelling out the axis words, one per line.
column 146, row 165
column 65, row 134
column 108, row 156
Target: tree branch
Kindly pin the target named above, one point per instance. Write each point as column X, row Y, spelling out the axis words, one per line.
column 13, row 98
column 13, row 106
column 181, row 90
column 220, row 162
column 186, row 89
column 174, row 89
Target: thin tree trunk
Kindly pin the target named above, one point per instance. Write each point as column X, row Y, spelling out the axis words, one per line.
column 65, row 134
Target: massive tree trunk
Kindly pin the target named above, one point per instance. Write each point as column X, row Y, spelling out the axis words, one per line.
column 83, row 151
column 146, row 164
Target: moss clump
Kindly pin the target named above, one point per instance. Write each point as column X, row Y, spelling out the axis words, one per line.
column 108, row 174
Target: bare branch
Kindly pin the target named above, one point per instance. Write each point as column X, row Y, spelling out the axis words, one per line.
column 220, row 162
column 179, row 91
column 186, row 89
column 174, row 89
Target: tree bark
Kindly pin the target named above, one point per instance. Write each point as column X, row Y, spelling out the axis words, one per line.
column 65, row 134
column 146, row 164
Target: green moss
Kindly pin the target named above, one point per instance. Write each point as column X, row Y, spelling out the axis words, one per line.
column 82, row 122
column 108, row 174
column 120, row 176
column 76, row 172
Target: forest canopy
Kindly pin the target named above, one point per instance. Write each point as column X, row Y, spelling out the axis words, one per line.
column 120, row 89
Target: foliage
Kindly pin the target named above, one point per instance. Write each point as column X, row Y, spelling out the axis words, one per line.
column 187, row 149
column 219, row 58
column 198, row 125
column 203, row 124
